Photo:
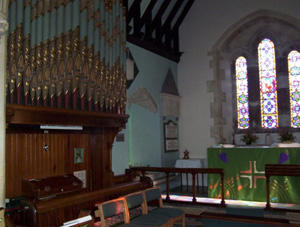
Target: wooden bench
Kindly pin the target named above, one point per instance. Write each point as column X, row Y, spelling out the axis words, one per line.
column 56, row 211
column 163, row 217
column 279, row 170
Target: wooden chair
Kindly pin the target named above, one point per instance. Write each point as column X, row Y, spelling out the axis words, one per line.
column 136, row 200
column 2, row 219
column 112, row 208
column 154, row 194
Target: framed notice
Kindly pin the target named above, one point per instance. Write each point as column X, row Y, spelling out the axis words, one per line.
column 171, row 145
column 81, row 175
column 171, row 136
column 78, row 155
column 171, row 130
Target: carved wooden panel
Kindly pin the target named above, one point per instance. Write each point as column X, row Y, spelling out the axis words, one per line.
column 26, row 157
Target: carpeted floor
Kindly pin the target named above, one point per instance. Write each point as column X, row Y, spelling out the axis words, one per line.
column 242, row 211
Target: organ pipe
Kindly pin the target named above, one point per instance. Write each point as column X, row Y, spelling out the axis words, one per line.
column 67, row 54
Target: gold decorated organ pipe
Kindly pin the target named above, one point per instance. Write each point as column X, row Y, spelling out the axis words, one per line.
column 52, row 53
column 77, row 67
column 19, row 48
column 59, row 53
column 90, row 56
column 83, row 53
column 27, row 77
column 33, row 47
column 106, row 58
column 67, row 52
column 97, row 24
column 111, row 60
column 39, row 51
column 123, row 63
column 11, row 51
column 117, row 50
column 102, row 82
column 46, row 60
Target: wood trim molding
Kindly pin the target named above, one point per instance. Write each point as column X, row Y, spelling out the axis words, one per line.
column 34, row 115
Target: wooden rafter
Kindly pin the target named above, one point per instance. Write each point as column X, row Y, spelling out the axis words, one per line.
column 183, row 14
column 147, row 20
column 157, row 36
column 166, row 29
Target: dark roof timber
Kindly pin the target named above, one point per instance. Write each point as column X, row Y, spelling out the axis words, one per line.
column 148, row 30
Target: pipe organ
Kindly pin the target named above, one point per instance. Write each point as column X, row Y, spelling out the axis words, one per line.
column 67, row 54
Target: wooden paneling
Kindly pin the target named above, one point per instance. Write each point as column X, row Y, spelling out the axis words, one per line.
column 27, row 158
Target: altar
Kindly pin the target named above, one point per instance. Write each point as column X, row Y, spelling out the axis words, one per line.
column 245, row 174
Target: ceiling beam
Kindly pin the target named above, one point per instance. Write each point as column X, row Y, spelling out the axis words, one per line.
column 183, row 14
column 147, row 20
column 134, row 13
column 172, row 14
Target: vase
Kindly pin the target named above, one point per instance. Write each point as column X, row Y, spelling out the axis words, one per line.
column 248, row 143
column 287, row 141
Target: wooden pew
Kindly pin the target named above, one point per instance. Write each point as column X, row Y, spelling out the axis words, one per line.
column 279, row 170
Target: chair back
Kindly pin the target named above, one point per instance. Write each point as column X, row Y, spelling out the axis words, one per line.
column 136, row 200
column 152, row 194
column 111, row 208
column 2, row 219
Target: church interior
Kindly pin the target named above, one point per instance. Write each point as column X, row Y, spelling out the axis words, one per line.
column 107, row 102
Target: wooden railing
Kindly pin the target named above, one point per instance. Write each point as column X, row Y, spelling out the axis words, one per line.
column 193, row 171
column 279, row 170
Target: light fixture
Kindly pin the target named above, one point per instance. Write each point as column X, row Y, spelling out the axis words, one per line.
column 61, row 127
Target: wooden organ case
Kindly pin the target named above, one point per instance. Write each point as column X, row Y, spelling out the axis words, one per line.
column 53, row 198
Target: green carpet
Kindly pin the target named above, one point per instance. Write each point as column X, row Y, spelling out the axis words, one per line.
column 249, row 211
column 222, row 223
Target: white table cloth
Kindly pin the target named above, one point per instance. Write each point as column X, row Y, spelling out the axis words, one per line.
column 190, row 163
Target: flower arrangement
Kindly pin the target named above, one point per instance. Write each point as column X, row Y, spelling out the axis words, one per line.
column 249, row 138
column 286, row 136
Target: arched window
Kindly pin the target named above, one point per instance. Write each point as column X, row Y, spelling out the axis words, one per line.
column 268, row 84
column 294, row 87
column 242, row 93
column 267, row 96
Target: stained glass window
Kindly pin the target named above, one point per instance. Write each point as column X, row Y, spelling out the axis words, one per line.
column 268, row 84
column 294, row 87
column 242, row 93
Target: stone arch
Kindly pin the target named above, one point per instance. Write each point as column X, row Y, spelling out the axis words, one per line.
column 242, row 38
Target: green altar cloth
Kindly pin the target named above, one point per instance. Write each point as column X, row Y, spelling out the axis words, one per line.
column 245, row 177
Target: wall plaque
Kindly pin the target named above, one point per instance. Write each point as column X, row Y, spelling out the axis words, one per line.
column 171, row 136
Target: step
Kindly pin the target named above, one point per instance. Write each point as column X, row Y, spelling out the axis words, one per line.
column 159, row 180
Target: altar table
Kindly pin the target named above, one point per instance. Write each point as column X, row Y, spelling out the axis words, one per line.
column 245, row 174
